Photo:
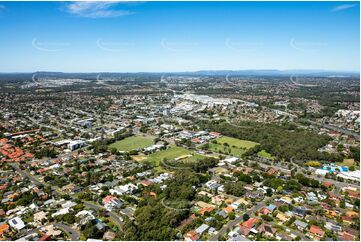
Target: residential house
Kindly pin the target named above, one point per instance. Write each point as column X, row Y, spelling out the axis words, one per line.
column 110, row 202
column 201, row 229
column 333, row 227
column 301, row 226
column 243, row 201
column 264, row 211
column 267, row 230
column 249, row 226
column 316, row 231
column 85, row 216
column 285, row 199
column 191, row 236
column 109, row 236
column 350, row 234
column 282, row 217
column 212, row 185
column 299, row 212
column 124, row 189
column 16, row 223
column 4, row 229
column 40, row 217
column 272, row 171
column 329, row 213
column 284, row 236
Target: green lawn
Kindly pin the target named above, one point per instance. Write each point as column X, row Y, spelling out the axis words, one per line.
column 132, row 143
column 243, row 144
column 172, row 153
column 236, row 146
column 265, row 154
column 227, row 150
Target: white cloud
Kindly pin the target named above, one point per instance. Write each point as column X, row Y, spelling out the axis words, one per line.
column 96, row 9
column 343, row 7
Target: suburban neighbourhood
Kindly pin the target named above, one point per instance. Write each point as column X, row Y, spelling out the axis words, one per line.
column 94, row 168
column 179, row 120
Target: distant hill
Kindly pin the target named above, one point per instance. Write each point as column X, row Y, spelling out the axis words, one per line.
column 251, row 73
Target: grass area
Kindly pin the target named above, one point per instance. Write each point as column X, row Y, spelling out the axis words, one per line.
column 265, row 154
column 236, row 147
column 139, row 158
column 226, row 150
column 57, row 139
column 133, row 143
column 172, row 153
column 347, row 162
column 243, row 144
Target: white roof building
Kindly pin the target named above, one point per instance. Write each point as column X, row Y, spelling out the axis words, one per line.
column 231, row 160
column 16, row 223
column 201, row 229
column 352, row 175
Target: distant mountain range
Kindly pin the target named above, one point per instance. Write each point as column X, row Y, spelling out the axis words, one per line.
column 279, row 72
column 254, row 73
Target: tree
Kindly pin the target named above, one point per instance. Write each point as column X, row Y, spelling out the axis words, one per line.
column 234, row 188
column 266, row 217
column 269, row 192
column 113, row 150
column 245, row 217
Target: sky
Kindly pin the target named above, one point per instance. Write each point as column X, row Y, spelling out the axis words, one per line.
column 178, row 36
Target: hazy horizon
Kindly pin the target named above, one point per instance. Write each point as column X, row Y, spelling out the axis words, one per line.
column 178, row 36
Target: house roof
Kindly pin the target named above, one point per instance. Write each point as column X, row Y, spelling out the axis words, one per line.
column 249, row 223
column 347, row 237
column 229, row 209
column 17, row 223
column 202, row 228
column 300, row 224
column 192, row 235
column 265, row 210
column 45, row 237
column 108, row 199
column 266, row 228
column 317, row 230
column 271, row 207
column 3, row 227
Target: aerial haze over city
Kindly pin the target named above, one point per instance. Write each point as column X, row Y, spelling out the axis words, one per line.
column 187, row 121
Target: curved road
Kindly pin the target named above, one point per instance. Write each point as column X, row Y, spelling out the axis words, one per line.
column 113, row 215
column 74, row 235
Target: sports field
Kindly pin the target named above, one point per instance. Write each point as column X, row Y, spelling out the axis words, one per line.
column 236, row 147
column 226, row 150
column 133, row 143
column 244, row 144
column 172, row 153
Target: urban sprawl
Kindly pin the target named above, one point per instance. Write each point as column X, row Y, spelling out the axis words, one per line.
column 179, row 157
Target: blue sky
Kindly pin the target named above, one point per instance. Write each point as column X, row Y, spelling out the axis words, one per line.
column 178, row 36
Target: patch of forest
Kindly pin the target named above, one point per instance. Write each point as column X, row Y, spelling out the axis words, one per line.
column 285, row 141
